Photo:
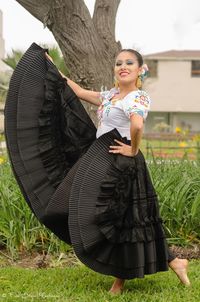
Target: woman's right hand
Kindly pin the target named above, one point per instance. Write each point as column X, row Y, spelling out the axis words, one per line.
column 89, row 96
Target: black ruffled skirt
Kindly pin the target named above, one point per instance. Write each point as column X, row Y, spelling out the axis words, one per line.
column 103, row 204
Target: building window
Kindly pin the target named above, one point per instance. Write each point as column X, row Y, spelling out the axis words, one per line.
column 153, row 66
column 195, row 69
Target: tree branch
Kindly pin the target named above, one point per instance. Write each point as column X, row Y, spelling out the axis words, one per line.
column 39, row 9
column 44, row 10
column 104, row 19
column 88, row 47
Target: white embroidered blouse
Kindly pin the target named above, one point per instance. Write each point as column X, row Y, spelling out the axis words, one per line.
column 115, row 113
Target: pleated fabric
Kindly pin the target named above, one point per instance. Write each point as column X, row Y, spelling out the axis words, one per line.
column 103, row 204
column 39, row 139
column 11, row 121
column 114, row 220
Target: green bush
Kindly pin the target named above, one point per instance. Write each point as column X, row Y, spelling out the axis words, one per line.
column 176, row 182
column 19, row 228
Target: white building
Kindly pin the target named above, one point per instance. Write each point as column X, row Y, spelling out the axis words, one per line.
column 174, row 87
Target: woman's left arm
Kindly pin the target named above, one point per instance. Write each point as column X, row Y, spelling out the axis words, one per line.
column 136, row 131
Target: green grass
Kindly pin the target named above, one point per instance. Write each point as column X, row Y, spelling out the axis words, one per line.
column 80, row 284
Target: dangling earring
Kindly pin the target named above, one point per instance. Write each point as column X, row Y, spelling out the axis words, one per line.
column 139, row 82
column 116, row 83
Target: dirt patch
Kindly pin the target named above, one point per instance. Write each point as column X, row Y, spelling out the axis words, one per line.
column 42, row 260
column 38, row 260
column 186, row 252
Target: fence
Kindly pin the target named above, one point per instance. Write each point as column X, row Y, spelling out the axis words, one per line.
column 172, row 145
column 165, row 145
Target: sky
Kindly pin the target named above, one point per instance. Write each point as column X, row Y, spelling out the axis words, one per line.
column 149, row 26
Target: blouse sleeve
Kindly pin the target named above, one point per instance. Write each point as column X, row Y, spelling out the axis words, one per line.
column 104, row 95
column 137, row 102
column 107, row 94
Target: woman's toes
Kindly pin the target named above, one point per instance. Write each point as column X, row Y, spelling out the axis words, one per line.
column 180, row 267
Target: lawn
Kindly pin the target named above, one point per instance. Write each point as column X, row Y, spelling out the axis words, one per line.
column 80, row 284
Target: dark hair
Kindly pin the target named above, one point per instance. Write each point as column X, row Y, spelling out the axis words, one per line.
column 136, row 53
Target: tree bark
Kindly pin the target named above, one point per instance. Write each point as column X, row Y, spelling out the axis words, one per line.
column 87, row 43
column 104, row 19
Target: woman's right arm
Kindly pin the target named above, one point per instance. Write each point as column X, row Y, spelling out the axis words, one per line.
column 89, row 96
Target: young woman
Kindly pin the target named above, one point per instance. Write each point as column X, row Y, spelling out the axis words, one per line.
column 125, row 108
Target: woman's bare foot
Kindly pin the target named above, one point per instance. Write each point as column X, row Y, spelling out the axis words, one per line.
column 180, row 267
column 117, row 286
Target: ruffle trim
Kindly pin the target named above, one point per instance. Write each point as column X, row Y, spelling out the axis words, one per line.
column 122, row 214
column 65, row 129
column 51, row 144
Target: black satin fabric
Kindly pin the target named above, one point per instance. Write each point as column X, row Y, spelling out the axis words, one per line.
column 10, row 113
column 65, row 129
column 126, row 209
column 114, row 221
column 47, row 131
column 103, row 204
column 127, row 206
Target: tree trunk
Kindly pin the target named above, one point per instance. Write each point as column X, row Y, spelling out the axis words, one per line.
column 87, row 43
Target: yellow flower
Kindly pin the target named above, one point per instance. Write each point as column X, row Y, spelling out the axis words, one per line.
column 196, row 138
column 2, row 160
column 191, row 150
column 178, row 130
column 182, row 144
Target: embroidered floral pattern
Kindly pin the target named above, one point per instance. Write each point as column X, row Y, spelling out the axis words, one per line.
column 142, row 98
column 139, row 104
column 107, row 101
column 135, row 102
column 134, row 109
column 103, row 108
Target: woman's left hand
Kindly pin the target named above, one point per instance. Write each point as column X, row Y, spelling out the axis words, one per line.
column 49, row 57
column 122, row 149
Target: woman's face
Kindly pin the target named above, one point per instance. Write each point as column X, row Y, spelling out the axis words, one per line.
column 126, row 68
